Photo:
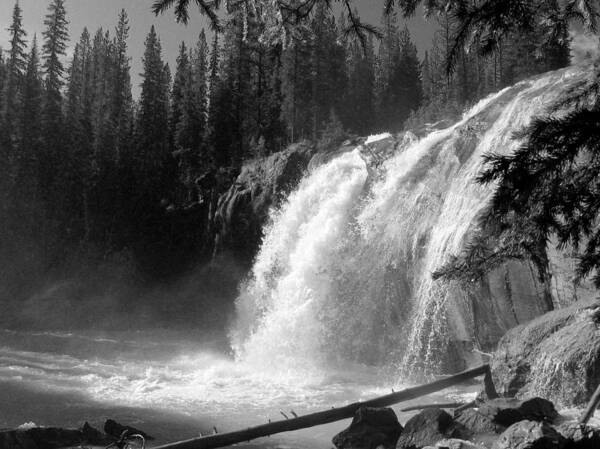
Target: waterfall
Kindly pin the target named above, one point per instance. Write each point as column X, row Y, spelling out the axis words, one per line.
column 344, row 270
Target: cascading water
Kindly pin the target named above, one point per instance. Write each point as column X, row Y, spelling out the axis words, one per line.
column 344, row 271
column 340, row 289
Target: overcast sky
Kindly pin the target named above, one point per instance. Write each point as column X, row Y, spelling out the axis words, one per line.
column 103, row 13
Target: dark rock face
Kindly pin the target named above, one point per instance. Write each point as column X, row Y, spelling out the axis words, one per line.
column 530, row 435
column 115, row 429
column 40, row 438
column 580, row 436
column 454, row 443
column 429, row 427
column 91, row 435
column 243, row 209
column 371, row 428
column 497, row 414
column 556, row 356
column 54, row 437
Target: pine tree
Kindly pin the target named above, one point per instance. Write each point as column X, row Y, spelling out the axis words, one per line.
column 328, row 63
column 296, row 72
column 30, row 141
column 55, row 44
column 54, row 160
column 359, row 108
column 400, row 88
column 15, row 67
column 10, row 109
column 31, row 112
column 183, row 75
column 191, row 129
column 2, row 75
column 121, row 115
column 152, row 127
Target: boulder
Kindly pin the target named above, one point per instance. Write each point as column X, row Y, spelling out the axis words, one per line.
column 371, row 428
column 579, row 436
column 530, row 435
column 495, row 415
column 40, row 438
column 115, row 429
column 429, row 427
column 244, row 208
column 556, row 355
column 454, row 443
column 93, row 436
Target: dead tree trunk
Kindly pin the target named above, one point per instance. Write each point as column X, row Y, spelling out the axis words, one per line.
column 591, row 408
column 325, row 417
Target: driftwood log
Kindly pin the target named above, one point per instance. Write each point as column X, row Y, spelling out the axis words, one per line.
column 426, row 406
column 329, row 416
column 591, row 408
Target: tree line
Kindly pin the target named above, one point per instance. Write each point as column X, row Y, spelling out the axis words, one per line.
column 89, row 172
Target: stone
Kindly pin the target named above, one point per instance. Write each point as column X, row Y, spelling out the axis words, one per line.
column 428, row 427
column 555, row 356
column 40, row 438
column 478, row 422
column 244, row 208
column 371, row 428
column 115, row 429
column 93, row 436
column 530, row 435
column 495, row 415
column 580, row 436
column 454, row 443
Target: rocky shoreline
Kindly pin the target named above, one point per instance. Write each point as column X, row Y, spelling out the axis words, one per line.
column 493, row 424
column 553, row 360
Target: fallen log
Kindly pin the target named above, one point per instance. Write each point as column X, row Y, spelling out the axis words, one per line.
column 426, row 406
column 591, row 408
column 471, row 404
column 324, row 417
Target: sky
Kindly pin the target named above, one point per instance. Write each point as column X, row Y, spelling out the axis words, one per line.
column 103, row 13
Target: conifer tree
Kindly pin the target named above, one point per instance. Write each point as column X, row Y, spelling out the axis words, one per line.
column 152, row 133
column 359, row 108
column 296, row 75
column 328, row 64
column 31, row 110
column 10, row 107
column 54, row 48
column 54, row 158
column 191, row 128
column 400, row 88
column 15, row 67
column 183, row 74
column 121, row 105
column 30, row 141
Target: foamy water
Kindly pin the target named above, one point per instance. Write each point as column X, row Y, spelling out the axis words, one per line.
column 344, row 270
column 149, row 375
column 339, row 305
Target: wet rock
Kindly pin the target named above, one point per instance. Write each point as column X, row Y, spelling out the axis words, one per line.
column 579, row 436
column 115, row 429
column 371, row 428
column 555, row 356
column 478, row 422
column 497, row 414
column 454, row 443
column 40, row 438
column 429, row 427
column 530, row 435
column 244, row 208
column 91, row 435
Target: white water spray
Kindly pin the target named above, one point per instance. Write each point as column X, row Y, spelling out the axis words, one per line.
column 344, row 271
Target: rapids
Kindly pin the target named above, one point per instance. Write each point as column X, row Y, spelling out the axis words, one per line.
column 339, row 305
column 344, row 270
